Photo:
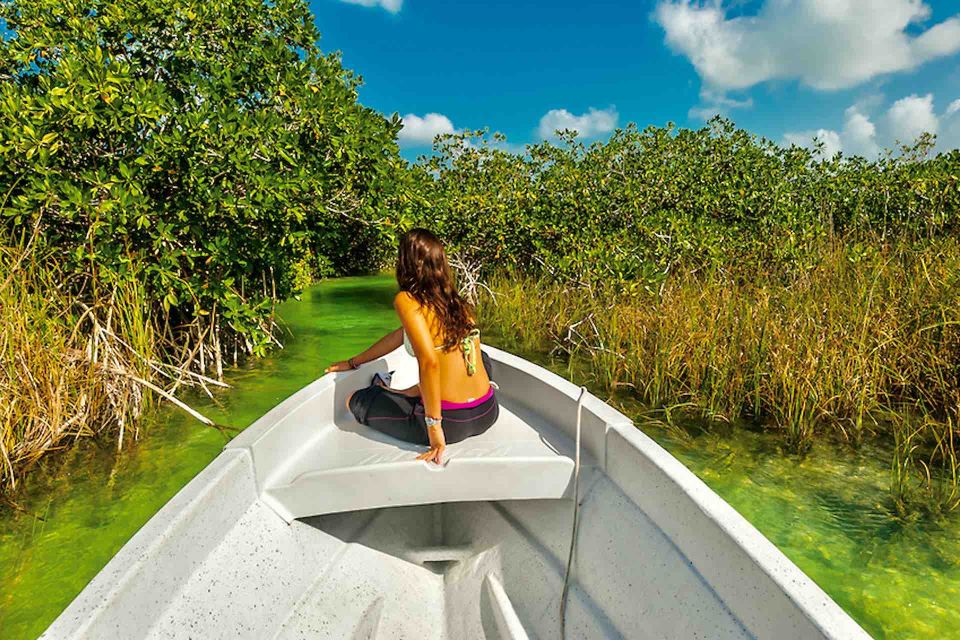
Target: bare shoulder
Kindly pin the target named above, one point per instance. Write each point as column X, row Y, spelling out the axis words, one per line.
column 403, row 302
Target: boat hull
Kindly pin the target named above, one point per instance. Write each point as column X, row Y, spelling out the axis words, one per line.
column 658, row 554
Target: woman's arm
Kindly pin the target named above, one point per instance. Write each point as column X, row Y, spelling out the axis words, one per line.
column 415, row 326
column 410, row 392
column 378, row 349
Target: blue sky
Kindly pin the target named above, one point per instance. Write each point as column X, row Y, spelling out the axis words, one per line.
column 856, row 74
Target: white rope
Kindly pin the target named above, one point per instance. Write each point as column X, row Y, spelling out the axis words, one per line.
column 576, row 518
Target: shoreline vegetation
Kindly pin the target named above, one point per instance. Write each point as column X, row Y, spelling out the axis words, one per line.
column 170, row 171
column 75, row 366
column 718, row 276
column 858, row 347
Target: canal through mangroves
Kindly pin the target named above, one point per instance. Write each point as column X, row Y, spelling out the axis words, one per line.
column 825, row 510
column 93, row 499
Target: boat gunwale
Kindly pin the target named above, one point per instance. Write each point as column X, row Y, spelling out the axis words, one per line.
column 145, row 544
column 807, row 597
column 810, row 599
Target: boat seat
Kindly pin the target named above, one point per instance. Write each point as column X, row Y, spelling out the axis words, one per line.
column 349, row 467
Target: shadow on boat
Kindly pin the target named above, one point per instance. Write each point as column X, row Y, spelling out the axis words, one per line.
column 350, row 381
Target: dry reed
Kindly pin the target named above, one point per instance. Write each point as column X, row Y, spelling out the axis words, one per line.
column 75, row 366
column 864, row 344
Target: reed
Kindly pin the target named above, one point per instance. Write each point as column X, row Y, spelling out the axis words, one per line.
column 75, row 365
column 863, row 344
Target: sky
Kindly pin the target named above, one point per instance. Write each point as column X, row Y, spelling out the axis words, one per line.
column 857, row 75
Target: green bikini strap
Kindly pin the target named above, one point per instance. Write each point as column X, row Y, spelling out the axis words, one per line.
column 469, row 353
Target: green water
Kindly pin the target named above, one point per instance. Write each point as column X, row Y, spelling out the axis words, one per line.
column 93, row 500
column 829, row 513
column 825, row 511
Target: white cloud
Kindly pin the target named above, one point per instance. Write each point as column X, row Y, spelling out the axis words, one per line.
column 393, row 6
column 826, row 44
column 716, row 103
column 859, row 134
column 949, row 137
column 911, row 116
column 902, row 123
column 588, row 125
column 419, row 131
column 830, row 139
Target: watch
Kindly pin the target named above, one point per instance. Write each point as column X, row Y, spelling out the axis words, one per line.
column 432, row 422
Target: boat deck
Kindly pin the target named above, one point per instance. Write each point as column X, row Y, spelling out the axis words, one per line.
column 311, row 526
column 349, row 466
column 320, row 460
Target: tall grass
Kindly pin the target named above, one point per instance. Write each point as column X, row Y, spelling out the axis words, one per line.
column 74, row 365
column 866, row 343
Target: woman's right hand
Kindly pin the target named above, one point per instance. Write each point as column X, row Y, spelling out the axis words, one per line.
column 437, row 444
column 435, row 454
column 342, row 365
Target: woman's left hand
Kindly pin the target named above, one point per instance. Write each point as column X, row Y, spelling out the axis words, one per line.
column 434, row 455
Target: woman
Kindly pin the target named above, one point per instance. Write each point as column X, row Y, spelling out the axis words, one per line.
column 454, row 399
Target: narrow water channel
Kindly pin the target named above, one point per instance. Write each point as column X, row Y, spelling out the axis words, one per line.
column 92, row 500
column 829, row 512
column 825, row 510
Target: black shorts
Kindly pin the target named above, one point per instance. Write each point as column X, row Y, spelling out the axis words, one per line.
column 402, row 417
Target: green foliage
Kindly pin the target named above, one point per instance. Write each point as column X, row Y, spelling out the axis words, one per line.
column 865, row 345
column 715, row 273
column 211, row 142
column 633, row 208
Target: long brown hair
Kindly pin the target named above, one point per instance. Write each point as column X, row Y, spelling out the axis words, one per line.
column 424, row 273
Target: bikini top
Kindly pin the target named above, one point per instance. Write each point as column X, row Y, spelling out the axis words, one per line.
column 466, row 345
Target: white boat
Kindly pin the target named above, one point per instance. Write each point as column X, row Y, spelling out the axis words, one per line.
column 309, row 525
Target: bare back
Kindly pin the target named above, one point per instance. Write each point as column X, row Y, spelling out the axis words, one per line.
column 455, row 383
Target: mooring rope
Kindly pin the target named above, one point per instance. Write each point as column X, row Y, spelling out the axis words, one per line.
column 576, row 519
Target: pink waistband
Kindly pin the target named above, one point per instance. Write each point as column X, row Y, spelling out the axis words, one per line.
column 446, row 404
